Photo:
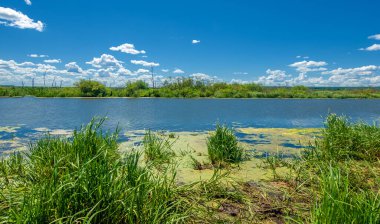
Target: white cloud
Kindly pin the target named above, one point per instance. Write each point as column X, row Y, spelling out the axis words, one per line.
column 38, row 56
column 73, row 67
column 309, row 66
column 204, row 77
column 10, row 17
column 127, row 48
column 274, row 78
column 105, row 61
column 364, row 70
column 144, row 63
column 52, row 61
column 374, row 47
column 28, row 2
column 178, row 71
column 238, row 81
column 123, row 72
column 375, row 37
column 195, row 41
column 142, row 71
column 165, row 70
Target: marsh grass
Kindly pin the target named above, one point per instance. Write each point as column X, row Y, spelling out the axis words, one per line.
column 344, row 163
column 157, row 149
column 84, row 180
column 342, row 140
column 223, row 147
column 342, row 202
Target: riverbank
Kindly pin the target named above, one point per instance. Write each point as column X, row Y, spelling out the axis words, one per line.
column 284, row 176
column 188, row 88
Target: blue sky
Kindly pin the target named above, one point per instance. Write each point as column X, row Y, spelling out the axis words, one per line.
column 273, row 42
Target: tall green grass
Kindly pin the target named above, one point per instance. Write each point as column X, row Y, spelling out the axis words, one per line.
column 157, row 149
column 341, row 202
column 342, row 139
column 84, row 180
column 344, row 162
column 223, row 147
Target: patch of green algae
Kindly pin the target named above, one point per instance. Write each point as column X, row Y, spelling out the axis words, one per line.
column 188, row 145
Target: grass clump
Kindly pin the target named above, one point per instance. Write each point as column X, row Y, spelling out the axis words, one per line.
column 344, row 165
column 223, row 148
column 157, row 149
column 342, row 140
column 84, row 180
column 342, row 202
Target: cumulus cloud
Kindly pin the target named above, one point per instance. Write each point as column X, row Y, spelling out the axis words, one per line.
column 309, row 66
column 128, row 49
column 28, row 2
column 178, row 71
column 274, row 78
column 144, row 63
column 204, row 77
column 364, row 70
column 73, row 67
column 238, row 81
column 374, row 47
column 165, row 70
column 142, row 71
column 52, row 61
column 375, row 37
column 13, row 18
column 105, row 60
column 195, row 41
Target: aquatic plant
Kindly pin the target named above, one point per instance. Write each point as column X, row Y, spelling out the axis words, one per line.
column 223, row 147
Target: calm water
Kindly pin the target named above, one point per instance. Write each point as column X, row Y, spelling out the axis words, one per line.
column 180, row 114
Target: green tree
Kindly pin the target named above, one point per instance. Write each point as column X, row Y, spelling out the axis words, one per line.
column 89, row 88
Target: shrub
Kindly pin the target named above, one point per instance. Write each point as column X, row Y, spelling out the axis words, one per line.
column 223, row 147
column 89, row 88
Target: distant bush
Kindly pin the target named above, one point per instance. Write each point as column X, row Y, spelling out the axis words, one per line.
column 89, row 88
column 223, row 147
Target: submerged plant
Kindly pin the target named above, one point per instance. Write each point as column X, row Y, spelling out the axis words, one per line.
column 223, row 147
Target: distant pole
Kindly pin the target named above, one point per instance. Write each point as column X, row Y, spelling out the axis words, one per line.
column 151, row 71
column 22, row 83
column 32, row 82
column 60, row 85
column 45, row 78
column 52, row 84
